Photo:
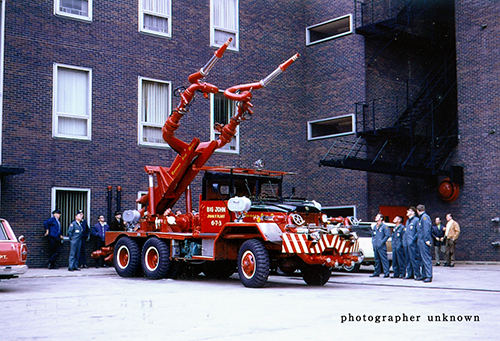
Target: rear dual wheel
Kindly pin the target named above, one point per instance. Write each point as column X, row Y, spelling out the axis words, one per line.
column 155, row 258
column 127, row 257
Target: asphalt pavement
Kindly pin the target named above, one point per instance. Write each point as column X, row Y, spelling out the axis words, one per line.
column 461, row 303
column 481, row 276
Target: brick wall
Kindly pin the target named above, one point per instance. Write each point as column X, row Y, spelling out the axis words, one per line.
column 325, row 82
column 118, row 54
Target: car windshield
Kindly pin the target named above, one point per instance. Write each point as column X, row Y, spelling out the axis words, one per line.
column 3, row 235
column 362, row 231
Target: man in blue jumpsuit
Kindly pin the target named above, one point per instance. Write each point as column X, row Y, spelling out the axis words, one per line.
column 380, row 234
column 425, row 243
column 410, row 239
column 398, row 251
column 75, row 234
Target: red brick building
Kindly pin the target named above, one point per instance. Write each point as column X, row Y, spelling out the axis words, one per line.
column 81, row 110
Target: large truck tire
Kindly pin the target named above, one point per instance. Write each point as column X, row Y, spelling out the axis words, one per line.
column 127, row 257
column 155, row 258
column 316, row 275
column 253, row 264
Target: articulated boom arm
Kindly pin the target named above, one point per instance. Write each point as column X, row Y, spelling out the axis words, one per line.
column 175, row 180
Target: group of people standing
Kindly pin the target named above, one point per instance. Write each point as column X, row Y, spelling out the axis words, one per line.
column 412, row 244
column 79, row 234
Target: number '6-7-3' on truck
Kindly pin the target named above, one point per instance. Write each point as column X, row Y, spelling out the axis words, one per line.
column 244, row 222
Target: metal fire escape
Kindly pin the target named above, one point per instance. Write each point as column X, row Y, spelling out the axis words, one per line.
column 413, row 131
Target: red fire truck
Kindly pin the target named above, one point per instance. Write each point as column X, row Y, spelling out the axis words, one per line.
column 244, row 222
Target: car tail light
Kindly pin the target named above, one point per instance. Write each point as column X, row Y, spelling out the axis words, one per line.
column 24, row 253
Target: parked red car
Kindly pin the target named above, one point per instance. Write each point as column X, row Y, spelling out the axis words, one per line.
column 13, row 252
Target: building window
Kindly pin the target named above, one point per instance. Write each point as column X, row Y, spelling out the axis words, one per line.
column 69, row 201
column 224, row 23
column 154, row 106
column 72, row 102
column 155, row 17
column 340, row 211
column 327, row 30
column 76, row 9
column 331, row 127
column 140, row 194
column 221, row 110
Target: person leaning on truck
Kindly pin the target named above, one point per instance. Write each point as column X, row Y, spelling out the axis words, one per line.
column 75, row 234
column 53, row 233
column 380, row 235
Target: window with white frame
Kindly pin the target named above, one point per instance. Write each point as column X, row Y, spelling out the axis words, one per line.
column 69, row 201
column 224, row 23
column 140, row 194
column 76, row 9
column 72, row 102
column 327, row 30
column 155, row 17
column 221, row 111
column 154, row 106
column 331, row 127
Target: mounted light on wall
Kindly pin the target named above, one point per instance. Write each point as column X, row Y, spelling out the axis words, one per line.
column 448, row 191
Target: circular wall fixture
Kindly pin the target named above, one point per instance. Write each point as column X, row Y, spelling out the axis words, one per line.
column 447, row 190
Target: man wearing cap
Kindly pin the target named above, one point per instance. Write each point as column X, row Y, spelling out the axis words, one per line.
column 424, row 227
column 380, row 235
column 117, row 224
column 53, row 233
column 413, row 262
column 75, row 234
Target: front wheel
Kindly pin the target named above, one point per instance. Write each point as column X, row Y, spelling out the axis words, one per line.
column 351, row 268
column 253, row 264
column 316, row 275
column 155, row 258
column 126, row 257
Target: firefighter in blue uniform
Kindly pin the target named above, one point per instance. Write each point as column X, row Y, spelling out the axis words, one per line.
column 380, row 235
column 410, row 240
column 398, row 251
column 75, row 234
column 425, row 243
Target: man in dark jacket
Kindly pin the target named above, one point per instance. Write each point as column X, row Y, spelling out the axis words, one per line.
column 82, row 260
column 117, row 224
column 437, row 234
column 99, row 232
column 380, row 235
column 53, row 233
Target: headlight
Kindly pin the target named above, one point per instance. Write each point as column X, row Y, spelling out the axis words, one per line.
column 324, row 218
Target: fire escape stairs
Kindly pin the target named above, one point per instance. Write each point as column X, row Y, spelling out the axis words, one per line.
column 411, row 135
